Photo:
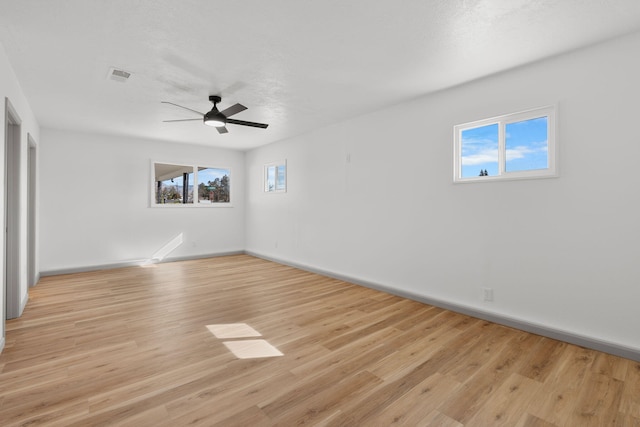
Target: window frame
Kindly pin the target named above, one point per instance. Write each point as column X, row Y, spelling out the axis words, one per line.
column 502, row 121
column 195, row 204
column 265, row 177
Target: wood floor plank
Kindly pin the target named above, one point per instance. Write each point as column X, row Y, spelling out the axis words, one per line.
column 228, row 399
column 252, row 416
column 419, row 404
column 130, row 347
column 439, row 419
column 598, row 401
column 323, row 404
column 542, row 359
column 558, row 396
column 157, row 416
column 528, row 420
column 608, row 365
column 629, row 403
column 508, row 402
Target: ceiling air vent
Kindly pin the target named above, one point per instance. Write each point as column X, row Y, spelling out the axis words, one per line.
column 118, row 75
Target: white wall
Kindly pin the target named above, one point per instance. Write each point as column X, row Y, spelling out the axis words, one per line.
column 95, row 193
column 10, row 88
column 559, row 253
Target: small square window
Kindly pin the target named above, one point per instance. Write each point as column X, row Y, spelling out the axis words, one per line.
column 275, row 177
column 513, row 146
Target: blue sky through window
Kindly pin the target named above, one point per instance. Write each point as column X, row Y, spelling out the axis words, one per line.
column 526, row 147
column 280, row 182
column 210, row 174
column 480, row 150
column 271, row 178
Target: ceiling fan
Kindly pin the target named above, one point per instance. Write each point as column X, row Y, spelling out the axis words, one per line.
column 219, row 119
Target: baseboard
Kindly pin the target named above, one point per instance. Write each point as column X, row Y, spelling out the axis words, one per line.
column 558, row 334
column 193, row 257
column 132, row 263
column 1, row 344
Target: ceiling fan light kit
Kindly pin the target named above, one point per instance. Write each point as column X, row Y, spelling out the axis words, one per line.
column 219, row 119
column 215, row 120
column 213, row 117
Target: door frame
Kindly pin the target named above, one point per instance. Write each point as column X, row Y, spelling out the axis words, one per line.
column 32, row 209
column 11, row 259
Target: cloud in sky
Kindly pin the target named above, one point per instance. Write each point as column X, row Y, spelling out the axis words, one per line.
column 210, row 174
column 486, row 153
column 521, row 151
column 481, row 157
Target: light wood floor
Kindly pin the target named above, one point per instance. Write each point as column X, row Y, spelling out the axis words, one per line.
column 131, row 347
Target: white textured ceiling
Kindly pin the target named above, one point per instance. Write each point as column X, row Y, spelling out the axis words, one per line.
column 296, row 64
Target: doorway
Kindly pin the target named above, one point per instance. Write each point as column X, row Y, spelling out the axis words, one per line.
column 32, row 276
column 11, row 259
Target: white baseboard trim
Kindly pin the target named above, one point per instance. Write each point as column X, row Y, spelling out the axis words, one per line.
column 132, row 263
column 1, row 344
column 558, row 334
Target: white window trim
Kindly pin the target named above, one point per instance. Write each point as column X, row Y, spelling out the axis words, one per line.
column 265, row 169
column 195, row 204
column 502, row 121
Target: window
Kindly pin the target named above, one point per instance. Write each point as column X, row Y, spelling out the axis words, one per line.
column 213, row 185
column 275, row 177
column 513, row 146
column 175, row 184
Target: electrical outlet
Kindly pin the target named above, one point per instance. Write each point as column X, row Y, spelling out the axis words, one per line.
column 487, row 294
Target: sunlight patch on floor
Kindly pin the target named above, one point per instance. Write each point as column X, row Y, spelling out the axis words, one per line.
column 147, row 264
column 233, row 330
column 251, row 349
column 242, row 348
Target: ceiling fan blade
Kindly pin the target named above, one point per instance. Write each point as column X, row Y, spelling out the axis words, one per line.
column 181, row 120
column 234, row 109
column 186, row 108
column 243, row 123
column 222, row 130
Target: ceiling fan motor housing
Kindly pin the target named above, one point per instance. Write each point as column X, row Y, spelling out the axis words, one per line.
column 215, row 118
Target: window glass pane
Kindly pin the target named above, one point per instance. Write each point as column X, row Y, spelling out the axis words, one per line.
column 174, row 183
column 526, row 145
column 270, row 178
column 213, row 185
column 281, row 180
column 479, row 148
